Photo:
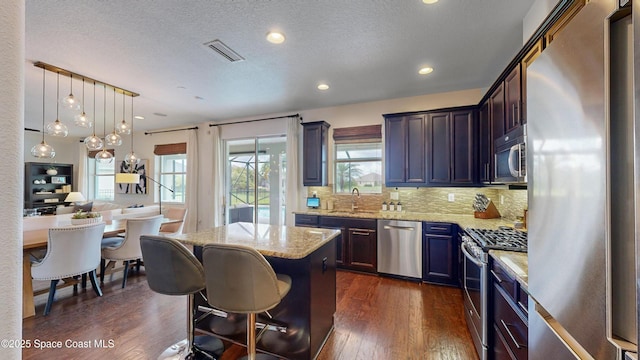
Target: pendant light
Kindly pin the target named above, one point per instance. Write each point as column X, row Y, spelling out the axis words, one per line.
column 69, row 101
column 82, row 119
column 43, row 150
column 113, row 139
column 131, row 158
column 124, row 128
column 103, row 156
column 92, row 142
column 57, row 128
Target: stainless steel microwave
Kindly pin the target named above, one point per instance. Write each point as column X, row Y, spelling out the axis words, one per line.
column 511, row 157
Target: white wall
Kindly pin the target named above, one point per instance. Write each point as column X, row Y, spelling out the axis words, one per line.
column 12, row 18
column 536, row 14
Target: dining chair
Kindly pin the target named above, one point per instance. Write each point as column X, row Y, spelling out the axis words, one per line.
column 71, row 251
column 177, row 214
column 129, row 249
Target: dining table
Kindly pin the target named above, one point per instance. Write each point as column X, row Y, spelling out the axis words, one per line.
column 33, row 240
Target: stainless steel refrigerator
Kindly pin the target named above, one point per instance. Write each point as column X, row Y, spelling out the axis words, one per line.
column 582, row 159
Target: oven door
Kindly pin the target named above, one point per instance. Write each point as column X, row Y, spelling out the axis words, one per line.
column 475, row 300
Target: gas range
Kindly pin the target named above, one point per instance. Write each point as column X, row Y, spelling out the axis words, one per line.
column 503, row 238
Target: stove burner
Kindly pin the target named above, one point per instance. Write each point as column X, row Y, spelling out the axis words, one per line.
column 503, row 238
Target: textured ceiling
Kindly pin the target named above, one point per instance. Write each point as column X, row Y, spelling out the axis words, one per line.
column 366, row 50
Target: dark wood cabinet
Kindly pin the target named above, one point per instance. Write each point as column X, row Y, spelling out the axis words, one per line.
column 314, row 153
column 509, row 319
column 451, row 155
column 528, row 58
column 405, row 150
column 46, row 185
column 440, row 253
column 513, row 97
column 485, row 145
column 356, row 246
column 497, row 111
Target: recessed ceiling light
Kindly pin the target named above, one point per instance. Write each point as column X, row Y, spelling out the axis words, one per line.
column 275, row 37
column 429, row 2
column 139, row 117
column 425, row 70
column 323, row 87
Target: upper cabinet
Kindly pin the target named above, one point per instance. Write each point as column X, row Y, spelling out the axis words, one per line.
column 451, row 155
column 529, row 57
column 513, row 99
column 405, row 150
column 496, row 111
column 314, row 154
column 485, row 144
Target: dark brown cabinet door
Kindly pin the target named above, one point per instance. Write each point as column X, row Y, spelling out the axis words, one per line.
column 485, row 145
column 535, row 51
column 463, row 154
column 362, row 251
column 439, row 148
column 512, row 99
column 415, row 151
column 439, row 264
column 405, row 151
column 314, row 153
column 496, row 111
column 340, row 250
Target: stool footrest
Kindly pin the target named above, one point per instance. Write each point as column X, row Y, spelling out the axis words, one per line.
column 275, row 325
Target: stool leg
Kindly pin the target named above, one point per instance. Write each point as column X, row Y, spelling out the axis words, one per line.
column 251, row 336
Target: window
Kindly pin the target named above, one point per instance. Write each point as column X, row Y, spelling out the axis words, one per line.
column 101, row 180
column 173, row 174
column 358, row 164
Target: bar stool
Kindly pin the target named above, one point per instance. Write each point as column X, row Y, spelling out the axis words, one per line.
column 173, row 270
column 240, row 280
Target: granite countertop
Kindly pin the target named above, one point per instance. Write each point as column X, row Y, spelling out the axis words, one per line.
column 286, row 242
column 515, row 263
column 465, row 221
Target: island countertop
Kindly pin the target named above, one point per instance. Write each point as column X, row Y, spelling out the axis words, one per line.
column 288, row 242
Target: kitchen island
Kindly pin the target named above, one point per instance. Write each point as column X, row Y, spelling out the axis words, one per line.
column 308, row 256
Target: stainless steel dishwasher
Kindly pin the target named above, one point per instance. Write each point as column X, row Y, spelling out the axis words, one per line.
column 400, row 248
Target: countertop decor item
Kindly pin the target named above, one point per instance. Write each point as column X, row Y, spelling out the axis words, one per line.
column 52, row 171
column 82, row 218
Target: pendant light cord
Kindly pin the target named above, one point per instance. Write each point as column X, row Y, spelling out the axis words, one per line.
column 44, row 75
column 114, row 110
column 83, row 95
column 57, row 96
column 94, row 109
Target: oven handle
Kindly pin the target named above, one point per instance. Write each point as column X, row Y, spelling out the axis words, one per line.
column 469, row 256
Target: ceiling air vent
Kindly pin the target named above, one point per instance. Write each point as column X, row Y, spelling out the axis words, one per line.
column 222, row 49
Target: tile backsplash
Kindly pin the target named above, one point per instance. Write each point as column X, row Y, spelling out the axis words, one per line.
column 431, row 200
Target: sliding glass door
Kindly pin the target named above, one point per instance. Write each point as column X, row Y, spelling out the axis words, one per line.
column 256, row 180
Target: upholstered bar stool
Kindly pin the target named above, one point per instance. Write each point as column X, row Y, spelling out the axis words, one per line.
column 173, row 270
column 240, row 280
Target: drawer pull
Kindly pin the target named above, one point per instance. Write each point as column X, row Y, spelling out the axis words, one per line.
column 360, row 233
column 439, row 228
column 506, row 327
column 497, row 277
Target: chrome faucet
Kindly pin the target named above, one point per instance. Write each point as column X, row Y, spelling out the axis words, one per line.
column 353, row 199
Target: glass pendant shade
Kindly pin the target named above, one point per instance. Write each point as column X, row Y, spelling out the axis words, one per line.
column 131, row 158
column 113, row 139
column 104, row 157
column 70, row 102
column 92, row 142
column 124, row 128
column 57, row 128
column 43, row 150
column 83, row 120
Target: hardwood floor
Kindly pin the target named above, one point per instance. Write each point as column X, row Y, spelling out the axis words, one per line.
column 376, row 318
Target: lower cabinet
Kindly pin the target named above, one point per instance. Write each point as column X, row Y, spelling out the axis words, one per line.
column 440, row 253
column 357, row 245
column 508, row 324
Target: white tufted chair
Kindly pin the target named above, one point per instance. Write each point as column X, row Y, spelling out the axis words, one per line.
column 129, row 249
column 174, row 227
column 71, row 251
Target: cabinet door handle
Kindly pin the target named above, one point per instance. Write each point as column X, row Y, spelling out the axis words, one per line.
column 516, row 343
column 498, row 279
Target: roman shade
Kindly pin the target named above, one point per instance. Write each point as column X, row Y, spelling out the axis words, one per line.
column 170, row 149
column 358, row 134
